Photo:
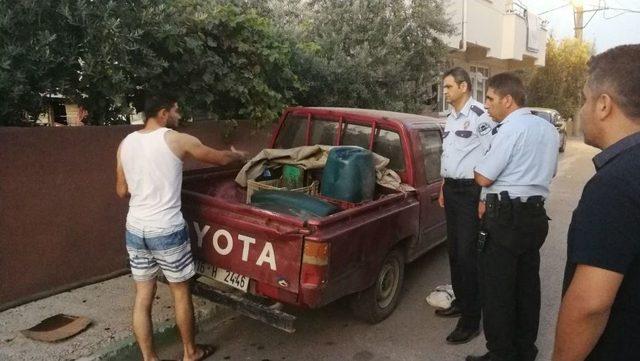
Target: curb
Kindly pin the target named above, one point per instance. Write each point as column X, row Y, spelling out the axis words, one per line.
column 164, row 334
column 127, row 349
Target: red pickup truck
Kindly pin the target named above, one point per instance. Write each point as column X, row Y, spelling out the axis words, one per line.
column 358, row 252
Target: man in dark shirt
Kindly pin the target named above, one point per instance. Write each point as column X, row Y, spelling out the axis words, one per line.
column 600, row 313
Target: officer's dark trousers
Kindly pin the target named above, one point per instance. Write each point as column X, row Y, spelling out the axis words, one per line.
column 509, row 279
column 461, row 208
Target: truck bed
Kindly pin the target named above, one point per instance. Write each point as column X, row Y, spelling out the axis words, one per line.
column 214, row 204
column 219, row 187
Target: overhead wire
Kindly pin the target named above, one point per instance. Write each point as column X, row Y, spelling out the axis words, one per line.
column 618, row 7
column 554, row 9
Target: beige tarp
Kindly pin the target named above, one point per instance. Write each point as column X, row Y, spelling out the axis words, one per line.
column 313, row 157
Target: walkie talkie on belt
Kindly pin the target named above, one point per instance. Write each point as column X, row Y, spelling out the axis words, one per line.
column 491, row 212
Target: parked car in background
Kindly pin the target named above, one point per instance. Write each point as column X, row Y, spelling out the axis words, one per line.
column 553, row 117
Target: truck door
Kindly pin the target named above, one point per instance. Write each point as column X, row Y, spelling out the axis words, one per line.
column 428, row 182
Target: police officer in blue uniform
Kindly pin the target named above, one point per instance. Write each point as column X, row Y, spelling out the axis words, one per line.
column 467, row 136
column 515, row 175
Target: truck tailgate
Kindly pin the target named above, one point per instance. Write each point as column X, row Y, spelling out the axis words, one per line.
column 264, row 247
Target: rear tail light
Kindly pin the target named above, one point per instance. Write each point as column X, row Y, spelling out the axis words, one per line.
column 315, row 260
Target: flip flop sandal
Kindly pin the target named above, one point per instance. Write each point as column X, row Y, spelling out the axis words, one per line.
column 207, row 350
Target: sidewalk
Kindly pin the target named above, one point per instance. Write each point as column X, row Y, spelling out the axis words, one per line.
column 108, row 304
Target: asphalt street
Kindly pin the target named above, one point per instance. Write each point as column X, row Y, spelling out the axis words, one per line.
column 412, row 332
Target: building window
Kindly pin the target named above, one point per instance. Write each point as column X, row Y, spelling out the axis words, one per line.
column 479, row 76
column 443, row 107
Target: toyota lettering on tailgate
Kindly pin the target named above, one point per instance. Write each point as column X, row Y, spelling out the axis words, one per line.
column 223, row 244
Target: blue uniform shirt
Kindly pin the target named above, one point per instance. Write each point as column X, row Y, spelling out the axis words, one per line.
column 523, row 156
column 466, row 138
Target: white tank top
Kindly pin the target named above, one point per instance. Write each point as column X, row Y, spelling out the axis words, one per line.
column 154, row 178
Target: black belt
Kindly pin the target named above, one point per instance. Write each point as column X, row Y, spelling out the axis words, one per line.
column 459, row 182
column 526, row 202
column 507, row 208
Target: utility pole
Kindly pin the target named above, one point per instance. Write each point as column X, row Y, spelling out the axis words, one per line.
column 578, row 18
column 578, row 21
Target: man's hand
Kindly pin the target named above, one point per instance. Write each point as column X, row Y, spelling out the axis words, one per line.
column 441, row 197
column 482, row 208
column 240, row 154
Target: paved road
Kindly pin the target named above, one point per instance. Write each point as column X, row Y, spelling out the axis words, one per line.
column 412, row 332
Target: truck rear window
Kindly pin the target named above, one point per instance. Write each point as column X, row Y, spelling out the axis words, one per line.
column 293, row 132
column 323, row 131
column 387, row 143
column 355, row 134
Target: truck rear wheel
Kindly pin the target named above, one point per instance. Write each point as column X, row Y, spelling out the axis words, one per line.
column 378, row 301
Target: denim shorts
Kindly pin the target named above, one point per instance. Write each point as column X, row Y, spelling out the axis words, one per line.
column 151, row 249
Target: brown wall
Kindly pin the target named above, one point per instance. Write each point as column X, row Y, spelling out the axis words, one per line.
column 61, row 224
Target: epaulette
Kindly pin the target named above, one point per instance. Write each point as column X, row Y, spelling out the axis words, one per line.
column 477, row 110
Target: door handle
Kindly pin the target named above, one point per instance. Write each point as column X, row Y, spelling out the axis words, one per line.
column 434, row 197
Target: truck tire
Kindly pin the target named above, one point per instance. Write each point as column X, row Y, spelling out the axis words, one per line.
column 378, row 301
column 563, row 144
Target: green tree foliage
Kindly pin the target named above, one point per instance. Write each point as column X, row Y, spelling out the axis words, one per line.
column 220, row 60
column 223, row 58
column 367, row 53
column 558, row 84
column 34, row 44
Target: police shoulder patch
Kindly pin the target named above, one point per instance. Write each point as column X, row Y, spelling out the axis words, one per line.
column 477, row 110
column 484, row 128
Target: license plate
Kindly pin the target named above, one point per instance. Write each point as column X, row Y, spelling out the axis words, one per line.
column 222, row 275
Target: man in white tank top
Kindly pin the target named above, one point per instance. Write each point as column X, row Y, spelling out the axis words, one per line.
column 149, row 170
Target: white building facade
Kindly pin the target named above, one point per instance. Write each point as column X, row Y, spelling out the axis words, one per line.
column 493, row 36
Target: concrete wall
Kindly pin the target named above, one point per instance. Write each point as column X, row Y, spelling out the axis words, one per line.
column 485, row 25
column 61, row 224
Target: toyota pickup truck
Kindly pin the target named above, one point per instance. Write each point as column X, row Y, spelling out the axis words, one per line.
column 359, row 252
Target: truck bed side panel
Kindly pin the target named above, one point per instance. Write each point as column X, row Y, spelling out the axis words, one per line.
column 359, row 245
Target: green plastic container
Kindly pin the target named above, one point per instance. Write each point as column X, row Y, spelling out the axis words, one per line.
column 292, row 203
column 292, row 176
column 349, row 175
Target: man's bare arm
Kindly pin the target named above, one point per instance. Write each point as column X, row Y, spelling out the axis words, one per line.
column 584, row 312
column 122, row 189
column 194, row 148
column 482, row 181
